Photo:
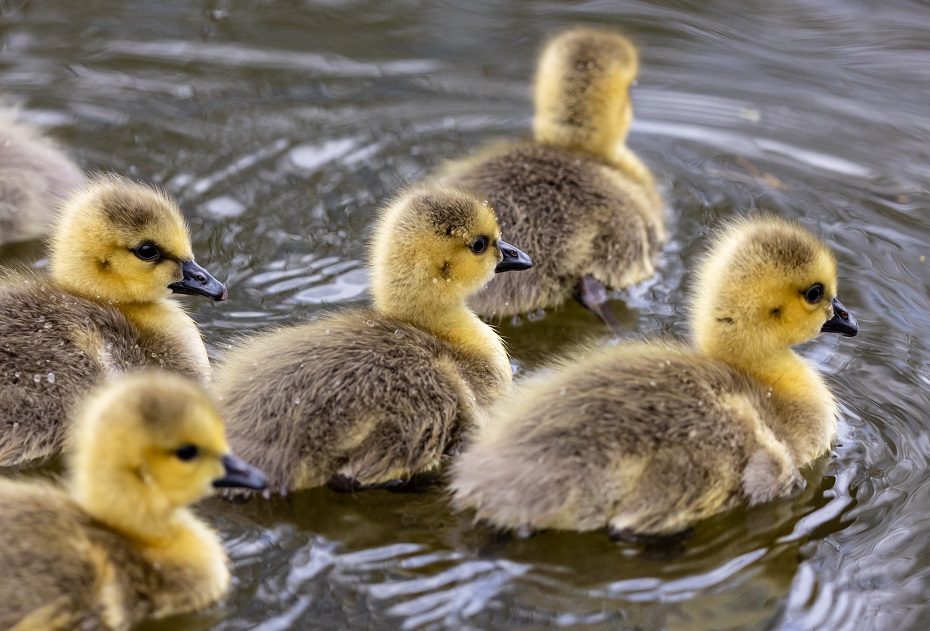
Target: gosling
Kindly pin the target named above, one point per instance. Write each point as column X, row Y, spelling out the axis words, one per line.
column 648, row 438
column 370, row 397
column 575, row 196
column 35, row 177
column 119, row 544
column 118, row 251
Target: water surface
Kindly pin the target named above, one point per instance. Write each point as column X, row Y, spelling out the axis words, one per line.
column 281, row 126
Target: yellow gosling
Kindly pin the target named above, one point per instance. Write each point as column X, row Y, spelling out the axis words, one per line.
column 575, row 196
column 35, row 177
column 119, row 544
column 371, row 396
column 648, row 438
column 118, row 252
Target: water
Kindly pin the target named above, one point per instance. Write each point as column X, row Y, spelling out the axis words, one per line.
column 282, row 125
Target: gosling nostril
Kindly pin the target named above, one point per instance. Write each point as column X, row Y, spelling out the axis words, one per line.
column 200, row 278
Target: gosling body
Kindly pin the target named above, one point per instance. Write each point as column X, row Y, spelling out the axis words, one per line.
column 575, row 196
column 54, row 346
column 70, row 571
column 118, row 544
column 648, row 438
column 35, row 177
column 100, row 312
column 373, row 396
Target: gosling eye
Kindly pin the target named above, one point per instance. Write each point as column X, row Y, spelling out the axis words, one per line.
column 187, row 452
column 814, row 293
column 480, row 245
column 148, row 252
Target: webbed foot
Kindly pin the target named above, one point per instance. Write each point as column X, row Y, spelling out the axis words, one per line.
column 592, row 294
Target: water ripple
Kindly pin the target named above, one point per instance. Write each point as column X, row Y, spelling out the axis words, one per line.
column 282, row 127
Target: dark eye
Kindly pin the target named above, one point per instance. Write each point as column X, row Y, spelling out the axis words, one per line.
column 148, row 252
column 480, row 245
column 187, row 452
column 814, row 294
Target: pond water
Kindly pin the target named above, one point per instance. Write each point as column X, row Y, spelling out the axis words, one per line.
column 281, row 126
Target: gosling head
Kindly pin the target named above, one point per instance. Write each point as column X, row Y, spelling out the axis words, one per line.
column 147, row 444
column 122, row 242
column 582, row 95
column 433, row 248
column 766, row 284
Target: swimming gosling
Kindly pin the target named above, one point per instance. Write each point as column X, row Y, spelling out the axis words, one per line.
column 368, row 397
column 575, row 196
column 118, row 251
column 118, row 544
column 35, row 177
column 648, row 438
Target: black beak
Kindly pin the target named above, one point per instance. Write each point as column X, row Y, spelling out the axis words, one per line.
column 841, row 322
column 198, row 281
column 514, row 260
column 240, row 473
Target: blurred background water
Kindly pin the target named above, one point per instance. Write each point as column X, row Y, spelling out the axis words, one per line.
column 282, row 125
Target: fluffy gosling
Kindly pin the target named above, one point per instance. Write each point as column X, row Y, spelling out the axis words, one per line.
column 118, row 544
column 35, row 177
column 367, row 397
column 118, row 252
column 648, row 438
column 575, row 196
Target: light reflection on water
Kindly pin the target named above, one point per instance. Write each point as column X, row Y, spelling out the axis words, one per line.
column 281, row 126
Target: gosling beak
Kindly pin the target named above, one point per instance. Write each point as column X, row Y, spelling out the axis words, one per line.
column 240, row 473
column 198, row 281
column 514, row 260
column 841, row 322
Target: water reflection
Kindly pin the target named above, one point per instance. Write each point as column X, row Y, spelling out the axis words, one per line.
column 282, row 125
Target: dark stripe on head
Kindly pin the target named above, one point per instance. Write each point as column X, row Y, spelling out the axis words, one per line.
column 158, row 410
column 787, row 250
column 591, row 54
column 128, row 213
column 448, row 213
column 130, row 205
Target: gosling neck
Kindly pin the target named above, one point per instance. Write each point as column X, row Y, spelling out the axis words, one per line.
column 141, row 313
column 452, row 321
column 584, row 138
column 777, row 368
column 806, row 410
column 163, row 318
column 629, row 163
column 187, row 554
column 150, row 520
